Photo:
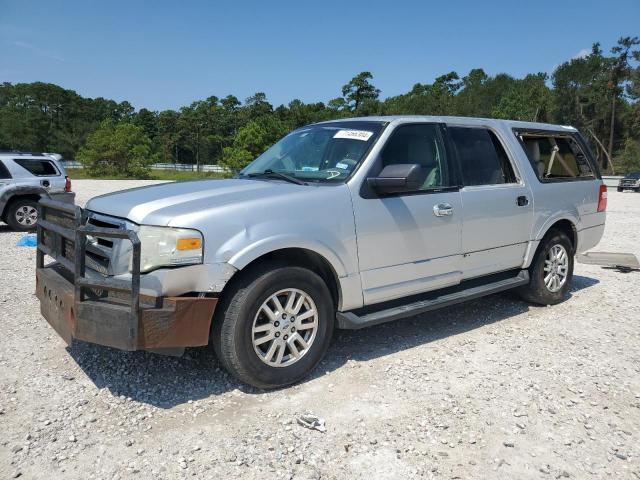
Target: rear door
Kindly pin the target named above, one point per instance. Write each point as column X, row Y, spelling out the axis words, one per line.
column 410, row 243
column 497, row 205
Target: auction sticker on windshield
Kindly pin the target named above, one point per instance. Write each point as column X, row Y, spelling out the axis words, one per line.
column 354, row 134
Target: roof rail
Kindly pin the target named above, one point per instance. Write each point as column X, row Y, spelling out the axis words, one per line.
column 18, row 152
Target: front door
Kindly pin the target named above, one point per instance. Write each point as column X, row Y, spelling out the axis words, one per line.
column 410, row 243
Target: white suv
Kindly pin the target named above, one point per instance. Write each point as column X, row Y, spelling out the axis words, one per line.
column 25, row 178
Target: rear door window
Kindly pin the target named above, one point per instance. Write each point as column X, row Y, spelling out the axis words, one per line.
column 556, row 157
column 38, row 167
column 483, row 159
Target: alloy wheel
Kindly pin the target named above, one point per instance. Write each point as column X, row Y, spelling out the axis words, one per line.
column 285, row 327
column 556, row 268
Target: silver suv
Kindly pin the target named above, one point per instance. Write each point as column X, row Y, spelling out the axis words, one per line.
column 342, row 224
column 25, row 178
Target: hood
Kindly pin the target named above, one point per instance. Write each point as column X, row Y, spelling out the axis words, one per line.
column 166, row 203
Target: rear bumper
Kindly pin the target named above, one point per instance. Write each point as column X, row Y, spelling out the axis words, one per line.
column 589, row 238
column 65, row 197
column 163, row 322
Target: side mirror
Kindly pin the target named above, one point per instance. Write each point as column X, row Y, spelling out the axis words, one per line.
column 402, row 177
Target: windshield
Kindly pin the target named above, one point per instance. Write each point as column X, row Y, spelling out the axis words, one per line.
column 326, row 152
column 635, row 175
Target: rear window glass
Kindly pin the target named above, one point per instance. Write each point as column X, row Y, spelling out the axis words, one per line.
column 556, row 157
column 4, row 172
column 39, row 168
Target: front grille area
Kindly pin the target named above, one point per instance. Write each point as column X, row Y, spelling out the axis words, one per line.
column 100, row 251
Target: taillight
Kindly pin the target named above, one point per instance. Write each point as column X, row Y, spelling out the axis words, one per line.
column 602, row 198
column 67, row 184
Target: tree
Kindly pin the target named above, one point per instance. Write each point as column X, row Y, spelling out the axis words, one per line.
column 168, row 139
column 120, row 149
column 528, row 99
column 621, row 72
column 426, row 99
column 148, row 121
column 360, row 89
column 252, row 139
column 629, row 160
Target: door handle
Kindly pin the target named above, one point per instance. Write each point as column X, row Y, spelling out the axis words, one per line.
column 522, row 201
column 442, row 210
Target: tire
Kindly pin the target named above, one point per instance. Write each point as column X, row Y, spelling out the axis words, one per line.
column 242, row 308
column 619, row 189
column 20, row 214
column 538, row 291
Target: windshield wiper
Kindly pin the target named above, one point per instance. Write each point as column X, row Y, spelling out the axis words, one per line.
column 272, row 173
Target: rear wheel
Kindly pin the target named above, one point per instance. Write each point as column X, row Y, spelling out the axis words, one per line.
column 551, row 271
column 22, row 214
column 274, row 326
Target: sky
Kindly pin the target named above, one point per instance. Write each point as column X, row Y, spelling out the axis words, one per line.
column 166, row 54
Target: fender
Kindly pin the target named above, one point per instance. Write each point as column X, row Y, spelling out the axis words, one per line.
column 349, row 286
column 571, row 216
column 541, row 231
column 257, row 249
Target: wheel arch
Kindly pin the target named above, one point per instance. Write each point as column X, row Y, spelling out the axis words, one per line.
column 567, row 227
column 5, row 204
column 300, row 257
column 19, row 192
column 564, row 224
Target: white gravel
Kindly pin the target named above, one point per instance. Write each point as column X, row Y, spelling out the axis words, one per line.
column 494, row 388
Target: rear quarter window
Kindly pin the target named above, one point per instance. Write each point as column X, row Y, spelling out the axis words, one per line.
column 556, row 157
column 4, row 171
column 38, row 167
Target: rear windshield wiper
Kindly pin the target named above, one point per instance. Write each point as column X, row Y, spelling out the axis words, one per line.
column 274, row 174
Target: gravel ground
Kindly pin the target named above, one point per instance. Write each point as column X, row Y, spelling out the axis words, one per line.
column 494, row 388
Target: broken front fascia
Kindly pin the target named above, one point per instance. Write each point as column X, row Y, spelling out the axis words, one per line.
column 166, row 282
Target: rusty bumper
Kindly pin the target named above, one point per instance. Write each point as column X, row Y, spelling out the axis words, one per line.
column 163, row 323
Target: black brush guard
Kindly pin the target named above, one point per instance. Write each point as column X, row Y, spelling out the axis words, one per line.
column 62, row 231
column 105, row 310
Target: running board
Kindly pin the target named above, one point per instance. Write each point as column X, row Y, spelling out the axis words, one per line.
column 353, row 321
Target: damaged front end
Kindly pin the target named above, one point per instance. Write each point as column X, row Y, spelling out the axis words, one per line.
column 96, row 308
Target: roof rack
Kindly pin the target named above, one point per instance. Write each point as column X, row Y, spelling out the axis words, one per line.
column 18, row 152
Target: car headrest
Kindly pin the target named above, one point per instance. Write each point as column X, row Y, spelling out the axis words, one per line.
column 533, row 149
column 421, row 151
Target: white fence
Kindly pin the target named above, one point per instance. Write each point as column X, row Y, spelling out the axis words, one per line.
column 180, row 167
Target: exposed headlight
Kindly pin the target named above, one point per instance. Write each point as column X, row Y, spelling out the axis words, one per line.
column 167, row 247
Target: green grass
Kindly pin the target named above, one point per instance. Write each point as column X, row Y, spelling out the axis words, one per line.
column 80, row 174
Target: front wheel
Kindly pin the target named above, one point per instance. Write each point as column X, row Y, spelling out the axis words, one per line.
column 551, row 271
column 274, row 326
